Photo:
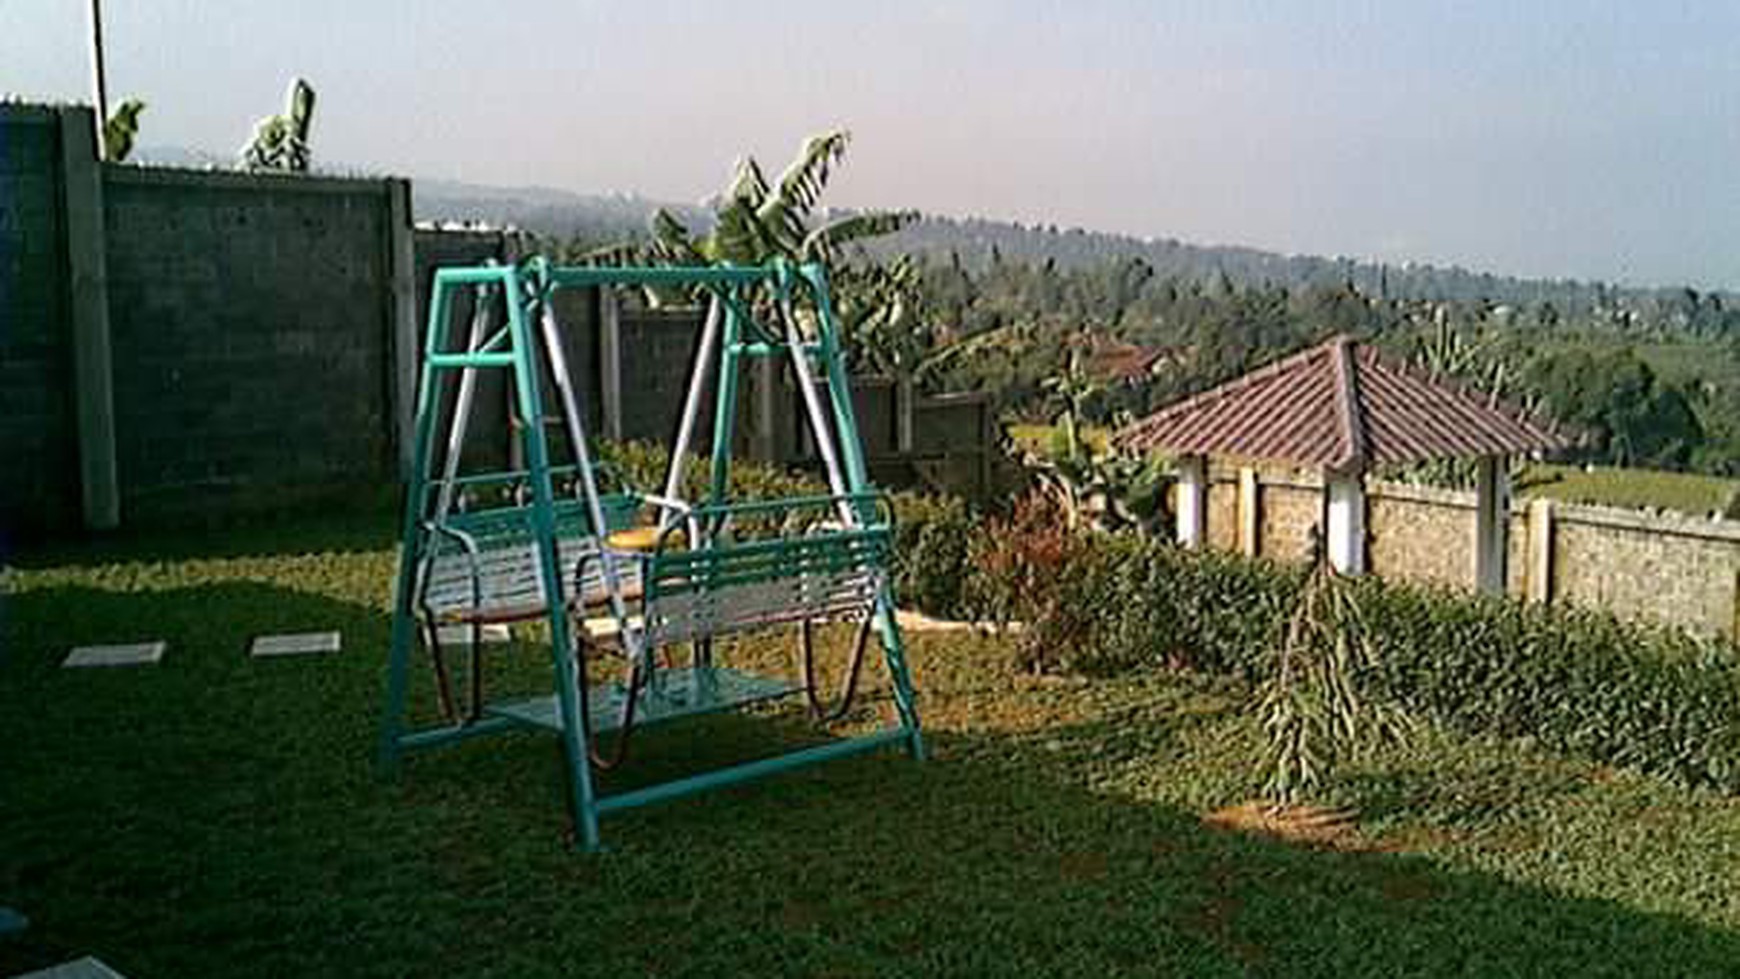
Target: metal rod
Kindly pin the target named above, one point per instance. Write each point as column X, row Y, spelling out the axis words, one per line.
column 692, row 406
column 462, row 407
column 568, row 692
column 99, row 79
column 588, row 480
column 750, row 770
column 819, row 426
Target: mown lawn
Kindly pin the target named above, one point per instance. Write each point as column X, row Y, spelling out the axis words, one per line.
column 1689, row 493
column 213, row 816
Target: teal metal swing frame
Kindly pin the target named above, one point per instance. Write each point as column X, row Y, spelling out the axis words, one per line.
column 697, row 583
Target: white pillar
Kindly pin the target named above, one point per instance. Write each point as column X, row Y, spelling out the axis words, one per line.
column 1345, row 532
column 1250, row 512
column 1192, row 501
column 1540, row 580
column 1491, row 524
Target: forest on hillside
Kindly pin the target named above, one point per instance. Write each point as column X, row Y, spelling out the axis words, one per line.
column 1651, row 375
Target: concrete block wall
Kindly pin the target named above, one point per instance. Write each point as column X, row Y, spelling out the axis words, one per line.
column 658, row 349
column 39, row 480
column 251, row 333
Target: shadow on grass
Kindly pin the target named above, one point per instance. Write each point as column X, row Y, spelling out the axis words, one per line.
column 219, row 816
column 341, row 531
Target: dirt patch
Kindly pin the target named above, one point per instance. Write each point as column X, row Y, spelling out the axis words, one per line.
column 1316, row 825
column 919, row 622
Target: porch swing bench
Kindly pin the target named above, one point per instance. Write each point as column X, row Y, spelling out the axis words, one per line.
column 601, row 576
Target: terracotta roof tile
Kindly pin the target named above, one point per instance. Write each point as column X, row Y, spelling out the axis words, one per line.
column 1342, row 407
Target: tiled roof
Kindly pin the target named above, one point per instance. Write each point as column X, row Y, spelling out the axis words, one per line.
column 1342, row 407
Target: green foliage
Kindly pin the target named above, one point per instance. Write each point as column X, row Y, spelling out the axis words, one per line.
column 1092, row 482
column 933, row 539
column 1057, row 833
column 1636, row 419
column 1031, row 568
column 1578, row 681
column 281, row 142
column 643, row 466
column 121, row 130
column 1316, row 699
column 1687, row 493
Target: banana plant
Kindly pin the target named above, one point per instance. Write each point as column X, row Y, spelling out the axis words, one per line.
column 757, row 220
column 281, row 142
column 121, row 129
column 1094, row 485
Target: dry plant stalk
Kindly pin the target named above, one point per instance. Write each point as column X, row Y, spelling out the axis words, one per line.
column 1313, row 711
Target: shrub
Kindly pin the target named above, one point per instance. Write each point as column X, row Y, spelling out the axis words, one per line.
column 642, row 465
column 1030, row 568
column 1574, row 680
column 931, row 532
column 932, row 537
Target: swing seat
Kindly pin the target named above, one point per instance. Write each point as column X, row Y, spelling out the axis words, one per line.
column 484, row 567
column 776, row 562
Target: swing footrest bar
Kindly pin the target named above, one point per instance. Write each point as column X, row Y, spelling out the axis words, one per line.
column 673, row 693
column 752, row 770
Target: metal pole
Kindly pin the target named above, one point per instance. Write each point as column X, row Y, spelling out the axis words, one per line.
column 98, row 82
column 703, row 368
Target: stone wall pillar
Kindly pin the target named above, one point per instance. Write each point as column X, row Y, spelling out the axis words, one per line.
column 1540, row 573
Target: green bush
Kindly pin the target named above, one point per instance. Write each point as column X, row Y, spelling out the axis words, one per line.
column 642, row 465
column 932, row 537
column 932, row 533
column 1585, row 682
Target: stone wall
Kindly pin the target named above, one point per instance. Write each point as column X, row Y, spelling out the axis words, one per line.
column 1421, row 534
column 1289, row 514
column 39, row 480
column 1222, row 513
column 1669, row 568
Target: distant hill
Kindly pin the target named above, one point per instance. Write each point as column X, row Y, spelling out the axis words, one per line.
column 978, row 242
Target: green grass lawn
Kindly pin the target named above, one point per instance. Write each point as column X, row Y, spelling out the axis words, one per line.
column 213, row 816
column 1688, row 493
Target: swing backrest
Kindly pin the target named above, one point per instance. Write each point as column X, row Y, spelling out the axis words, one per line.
column 767, row 564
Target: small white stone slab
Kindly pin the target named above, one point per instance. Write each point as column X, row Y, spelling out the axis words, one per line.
column 88, row 967
column 296, row 644
column 460, row 635
column 125, row 654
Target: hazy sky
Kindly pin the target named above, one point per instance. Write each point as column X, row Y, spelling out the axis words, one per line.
column 1586, row 139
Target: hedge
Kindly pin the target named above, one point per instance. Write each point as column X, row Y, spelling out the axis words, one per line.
column 1584, row 682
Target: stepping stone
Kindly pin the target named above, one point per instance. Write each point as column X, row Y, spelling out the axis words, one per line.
column 125, row 654
column 88, row 967
column 460, row 635
column 11, row 922
column 296, row 644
